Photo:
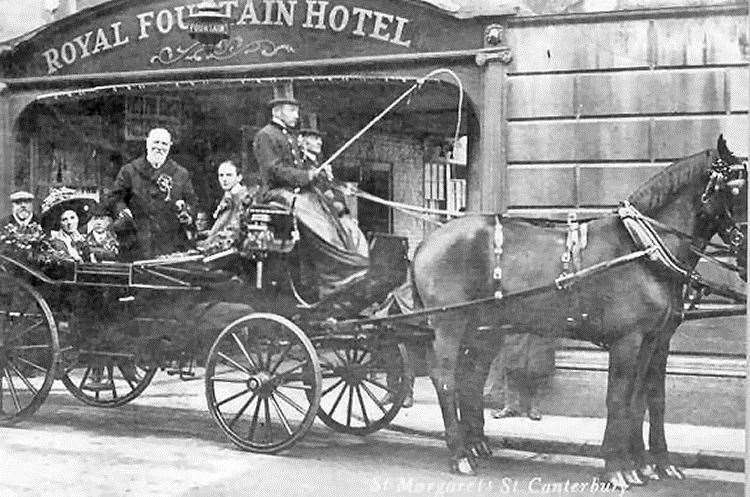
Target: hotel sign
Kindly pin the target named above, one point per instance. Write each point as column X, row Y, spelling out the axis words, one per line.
column 156, row 34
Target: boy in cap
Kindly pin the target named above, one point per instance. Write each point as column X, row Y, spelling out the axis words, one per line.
column 22, row 211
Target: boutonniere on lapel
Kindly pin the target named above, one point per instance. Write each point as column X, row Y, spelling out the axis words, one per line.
column 165, row 185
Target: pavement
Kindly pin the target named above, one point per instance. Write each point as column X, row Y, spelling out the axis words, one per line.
column 690, row 446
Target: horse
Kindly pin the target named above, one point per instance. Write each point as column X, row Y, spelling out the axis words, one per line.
column 490, row 275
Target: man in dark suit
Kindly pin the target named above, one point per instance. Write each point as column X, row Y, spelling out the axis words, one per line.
column 22, row 210
column 156, row 195
column 275, row 145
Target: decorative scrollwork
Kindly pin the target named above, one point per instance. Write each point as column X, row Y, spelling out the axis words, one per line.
column 226, row 49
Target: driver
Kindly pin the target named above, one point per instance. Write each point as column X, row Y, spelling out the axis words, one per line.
column 156, row 195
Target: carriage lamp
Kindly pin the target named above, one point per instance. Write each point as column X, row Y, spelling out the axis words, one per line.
column 208, row 24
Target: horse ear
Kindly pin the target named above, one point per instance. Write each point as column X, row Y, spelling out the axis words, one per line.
column 724, row 152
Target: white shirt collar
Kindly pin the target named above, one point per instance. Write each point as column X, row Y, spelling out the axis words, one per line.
column 22, row 223
column 279, row 122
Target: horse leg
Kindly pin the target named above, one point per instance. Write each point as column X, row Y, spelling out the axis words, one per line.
column 473, row 367
column 644, row 470
column 655, row 397
column 623, row 366
column 443, row 362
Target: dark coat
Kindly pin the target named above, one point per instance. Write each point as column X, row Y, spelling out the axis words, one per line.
column 529, row 356
column 279, row 158
column 151, row 195
column 9, row 219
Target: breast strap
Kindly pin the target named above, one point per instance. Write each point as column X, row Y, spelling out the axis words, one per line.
column 645, row 237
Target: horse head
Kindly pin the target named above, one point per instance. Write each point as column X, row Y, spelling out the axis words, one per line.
column 724, row 202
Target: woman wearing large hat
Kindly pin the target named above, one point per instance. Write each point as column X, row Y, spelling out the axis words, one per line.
column 62, row 215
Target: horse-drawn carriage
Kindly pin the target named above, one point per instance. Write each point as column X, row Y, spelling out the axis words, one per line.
column 271, row 364
column 617, row 281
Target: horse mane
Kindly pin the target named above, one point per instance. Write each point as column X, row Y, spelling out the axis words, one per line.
column 661, row 187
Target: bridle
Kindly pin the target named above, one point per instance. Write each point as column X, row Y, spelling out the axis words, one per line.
column 721, row 198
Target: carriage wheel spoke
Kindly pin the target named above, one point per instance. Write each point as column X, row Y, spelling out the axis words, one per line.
column 84, row 378
column 327, row 390
column 254, row 422
column 362, row 406
column 235, row 363
column 380, row 385
column 24, row 379
column 291, row 402
column 269, row 426
column 31, row 364
column 244, row 351
column 291, row 370
column 125, row 376
column 344, row 360
column 232, row 397
column 228, row 380
column 374, row 398
column 111, row 379
column 336, row 402
column 325, row 364
column 349, row 407
column 297, row 387
column 242, row 410
column 12, row 391
column 282, row 356
column 15, row 335
column 281, row 415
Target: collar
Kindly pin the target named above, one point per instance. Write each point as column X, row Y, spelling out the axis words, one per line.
column 23, row 223
column 279, row 124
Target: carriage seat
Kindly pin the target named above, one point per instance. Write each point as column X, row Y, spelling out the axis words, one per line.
column 388, row 270
column 268, row 227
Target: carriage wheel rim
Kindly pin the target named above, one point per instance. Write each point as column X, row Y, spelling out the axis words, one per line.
column 118, row 386
column 264, row 404
column 29, row 352
column 366, row 412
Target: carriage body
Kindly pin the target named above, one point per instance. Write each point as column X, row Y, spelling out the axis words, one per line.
column 105, row 329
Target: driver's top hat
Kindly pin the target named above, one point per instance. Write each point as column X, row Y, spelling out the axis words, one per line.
column 283, row 93
column 309, row 125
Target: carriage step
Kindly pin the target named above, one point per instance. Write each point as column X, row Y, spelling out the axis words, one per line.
column 99, row 386
column 184, row 375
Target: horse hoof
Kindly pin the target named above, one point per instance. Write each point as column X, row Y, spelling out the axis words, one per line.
column 649, row 471
column 480, row 449
column 617, row 480
column 634, row 478
column 463, row 466
column 673, row 472
column 484, row 449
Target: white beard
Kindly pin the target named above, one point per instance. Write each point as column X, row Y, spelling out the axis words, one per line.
column 156, row 159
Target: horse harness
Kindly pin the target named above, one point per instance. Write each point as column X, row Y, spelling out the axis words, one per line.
column 648, row 244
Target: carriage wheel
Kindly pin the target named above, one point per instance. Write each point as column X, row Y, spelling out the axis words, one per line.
column 263, row 382
column 364, row 385
column 107, row 380
column 29, row 349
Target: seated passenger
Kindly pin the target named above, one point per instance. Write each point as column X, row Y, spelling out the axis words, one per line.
column 22, row 213
column 101, row 240
column 226, row 228
column 202, row 225
column 68, row 240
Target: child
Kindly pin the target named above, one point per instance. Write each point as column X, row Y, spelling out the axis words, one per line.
column 101, row 239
